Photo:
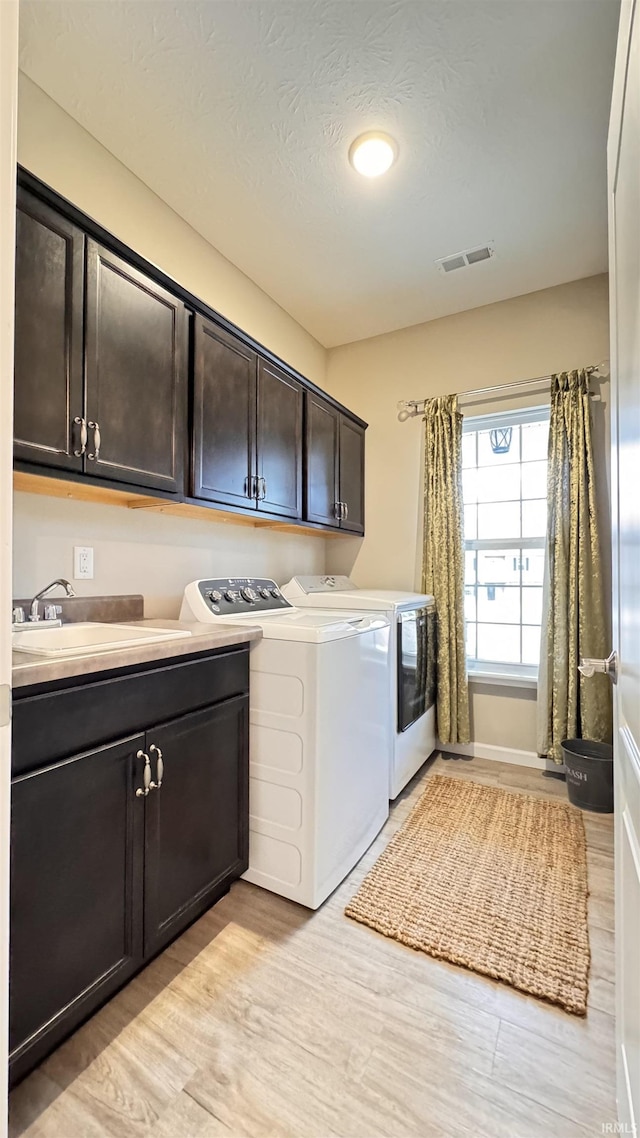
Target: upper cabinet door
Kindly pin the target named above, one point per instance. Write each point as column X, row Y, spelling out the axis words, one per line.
column 224, row 417
column 48, row 336
column 279, row 442
column 135, row 375
column 321, row 484
column 352, row 475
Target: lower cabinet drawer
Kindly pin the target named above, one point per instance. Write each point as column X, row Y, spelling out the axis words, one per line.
column 52, row 725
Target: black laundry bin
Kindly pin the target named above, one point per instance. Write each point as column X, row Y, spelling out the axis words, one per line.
column 589, row 769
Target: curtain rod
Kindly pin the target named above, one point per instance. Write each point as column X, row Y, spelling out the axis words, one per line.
column 409, row 408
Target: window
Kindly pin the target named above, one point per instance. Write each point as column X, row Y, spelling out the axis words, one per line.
column 504, row 478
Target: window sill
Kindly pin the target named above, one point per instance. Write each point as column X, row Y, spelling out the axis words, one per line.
column 502, row 679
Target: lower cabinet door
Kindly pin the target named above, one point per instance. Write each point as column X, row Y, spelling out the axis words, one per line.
column 76, row 902
column 196, row 816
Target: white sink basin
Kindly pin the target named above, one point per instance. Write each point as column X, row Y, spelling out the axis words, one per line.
column 83, row 639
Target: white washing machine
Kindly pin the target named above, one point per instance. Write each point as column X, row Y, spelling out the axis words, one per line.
column 319, row 733
column 411, row 682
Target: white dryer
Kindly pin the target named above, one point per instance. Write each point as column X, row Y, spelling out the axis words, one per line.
column 411, row 683
column 319, row 733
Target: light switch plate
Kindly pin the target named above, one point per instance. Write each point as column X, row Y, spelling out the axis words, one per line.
column 82, row 563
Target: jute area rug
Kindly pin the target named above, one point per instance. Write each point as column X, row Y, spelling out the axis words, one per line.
column 492, row 880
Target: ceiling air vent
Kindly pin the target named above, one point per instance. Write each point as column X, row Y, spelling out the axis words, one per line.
column 465, row 258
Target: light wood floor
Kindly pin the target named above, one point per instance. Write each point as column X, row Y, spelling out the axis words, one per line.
column 265, row 1020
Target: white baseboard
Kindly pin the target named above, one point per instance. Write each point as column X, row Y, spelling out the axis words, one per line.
column 498, row 754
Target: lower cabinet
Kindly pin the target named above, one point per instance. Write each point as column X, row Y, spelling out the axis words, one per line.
column 196, row 822
column 76, row 890
column 114, row 851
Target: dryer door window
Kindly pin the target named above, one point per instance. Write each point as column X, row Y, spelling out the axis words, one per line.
column 416, row 665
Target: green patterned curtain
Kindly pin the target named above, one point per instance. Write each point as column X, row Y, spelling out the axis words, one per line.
column 573, row 619
column 443, row 561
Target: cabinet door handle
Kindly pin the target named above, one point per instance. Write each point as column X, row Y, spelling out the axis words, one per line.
column 263, row 484
column 95, row 455
column 82, row 423
column 142, row 791
column 159, row 768
column 346, row 511
column 337, row 510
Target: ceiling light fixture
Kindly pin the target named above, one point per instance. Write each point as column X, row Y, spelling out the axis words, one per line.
column 373, row 153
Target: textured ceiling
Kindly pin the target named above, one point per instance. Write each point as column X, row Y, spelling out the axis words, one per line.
column 239, row 114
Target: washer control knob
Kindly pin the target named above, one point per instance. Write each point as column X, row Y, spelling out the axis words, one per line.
column 214, row 595
column 231, row 596
column 265, row 594
column 276, row 593
column 249, row 595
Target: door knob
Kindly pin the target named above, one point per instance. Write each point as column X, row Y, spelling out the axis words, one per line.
column 588, row 667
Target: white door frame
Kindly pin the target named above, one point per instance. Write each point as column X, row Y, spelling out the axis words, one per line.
column 624, row 261
column 8, row 130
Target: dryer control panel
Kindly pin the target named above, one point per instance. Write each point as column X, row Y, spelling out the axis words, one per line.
column 233, row 596
column 321, row 584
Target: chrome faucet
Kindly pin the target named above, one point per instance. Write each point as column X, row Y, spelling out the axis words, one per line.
column 33, row 611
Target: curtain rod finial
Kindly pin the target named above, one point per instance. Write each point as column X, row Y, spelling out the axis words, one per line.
column 406, row 409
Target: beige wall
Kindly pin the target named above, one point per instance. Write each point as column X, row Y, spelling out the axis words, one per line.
column 516, row 339
column 133, row 552
column 148, row 553
column 527, row 336
column 58, row 150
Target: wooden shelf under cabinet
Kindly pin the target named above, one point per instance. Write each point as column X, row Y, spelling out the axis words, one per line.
column 84, row 491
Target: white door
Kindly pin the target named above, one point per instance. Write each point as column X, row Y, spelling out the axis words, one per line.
column 624, row 264
column 8, row 103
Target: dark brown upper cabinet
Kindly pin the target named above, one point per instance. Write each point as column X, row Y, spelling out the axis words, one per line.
column 247, row 426
column 101, row 369
column 323, row 433
column 119, row 413
column 49, row 392
column 351, row 475
column 279, row 442
column 335, row 467
column 224, row 416
column 135, row 364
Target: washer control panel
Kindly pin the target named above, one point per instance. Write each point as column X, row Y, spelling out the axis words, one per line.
column 233, row 596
